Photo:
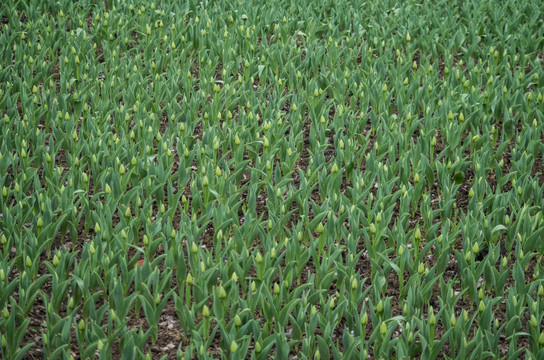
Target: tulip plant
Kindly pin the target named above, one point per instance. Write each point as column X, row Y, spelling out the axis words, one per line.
column 277, row 179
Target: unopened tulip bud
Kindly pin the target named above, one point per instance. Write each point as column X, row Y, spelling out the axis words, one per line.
column 320, row 229
column 364, row 319
column 383, row 328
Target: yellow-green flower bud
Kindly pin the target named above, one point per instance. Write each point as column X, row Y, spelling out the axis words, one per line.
column 383, row 328
column 417, row 234
column 222, row 292
column 432, row 318
column 533, row 321
column 364, row 319
column 379, row 307
column 320, row 229
column 233, row 347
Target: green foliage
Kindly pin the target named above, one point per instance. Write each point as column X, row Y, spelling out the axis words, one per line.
column 332, row 179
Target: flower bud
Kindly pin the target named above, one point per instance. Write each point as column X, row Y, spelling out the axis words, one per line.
column 417, row 234
column 320, row 229
column 432, row 319
column 237, row 320
column 222, row 292
column 354, row 284
column 533, row 321
column 475, row 248
column 364, row 319
column 383, row 328
column 421, row 268
column 379, row 307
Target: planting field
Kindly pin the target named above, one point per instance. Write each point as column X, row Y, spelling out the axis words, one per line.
column 274, row 179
